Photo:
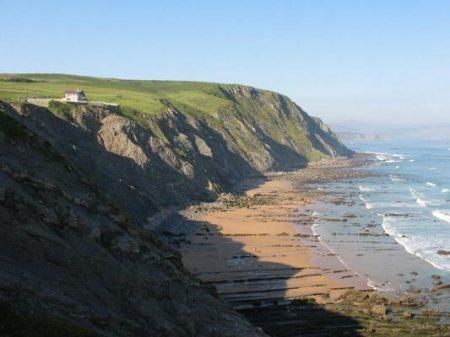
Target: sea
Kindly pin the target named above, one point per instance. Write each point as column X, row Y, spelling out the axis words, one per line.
column 392, row 227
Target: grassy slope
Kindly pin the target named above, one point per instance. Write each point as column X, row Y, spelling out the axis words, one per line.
column 140, row 95
column 138, row 98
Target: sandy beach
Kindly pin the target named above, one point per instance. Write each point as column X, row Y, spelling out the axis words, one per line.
column 256, row 248
column 267, row 251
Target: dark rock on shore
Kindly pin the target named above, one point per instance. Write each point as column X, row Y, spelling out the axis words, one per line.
column 443, row 252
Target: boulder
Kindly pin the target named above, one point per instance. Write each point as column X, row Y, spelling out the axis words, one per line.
column 380, row 309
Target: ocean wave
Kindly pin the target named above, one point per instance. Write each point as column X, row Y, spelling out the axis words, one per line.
column 441, row 215
column 419, row 201
column 445, row 190
column 413, row 193
column 430, row 184
column 396, row 179
column 425, row 202
column 366, row 189
column 388, row 157
column 424, row 250
column 368, row 205
column 377, row 205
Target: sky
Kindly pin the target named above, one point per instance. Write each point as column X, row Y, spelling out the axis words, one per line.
column 364, row 61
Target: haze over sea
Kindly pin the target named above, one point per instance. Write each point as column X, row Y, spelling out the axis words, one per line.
column 408, row 198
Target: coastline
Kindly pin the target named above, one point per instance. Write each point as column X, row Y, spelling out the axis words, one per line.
column 270, row 235
column 257, row 243
column 256, row 248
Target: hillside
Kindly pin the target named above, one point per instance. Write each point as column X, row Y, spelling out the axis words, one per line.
column 188, row 149
column 73, row 263
column 82, row 186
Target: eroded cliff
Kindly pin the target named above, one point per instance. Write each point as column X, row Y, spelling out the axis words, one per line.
column 81, row 187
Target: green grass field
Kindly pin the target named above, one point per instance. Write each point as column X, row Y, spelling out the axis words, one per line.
column 144, row 96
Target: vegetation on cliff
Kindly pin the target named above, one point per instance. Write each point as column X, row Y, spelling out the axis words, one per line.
column 254, row 113
column 82, row 186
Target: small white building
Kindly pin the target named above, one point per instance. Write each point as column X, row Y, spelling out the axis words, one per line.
column 75, row 95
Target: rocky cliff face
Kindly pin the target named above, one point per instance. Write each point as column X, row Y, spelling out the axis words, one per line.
column 72, row 261
column 80, row 190
column 151, row 162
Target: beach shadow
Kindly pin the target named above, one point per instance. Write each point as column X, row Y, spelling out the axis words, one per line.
column 255, row 288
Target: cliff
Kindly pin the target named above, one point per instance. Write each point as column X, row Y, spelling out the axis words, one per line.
column 81, row 187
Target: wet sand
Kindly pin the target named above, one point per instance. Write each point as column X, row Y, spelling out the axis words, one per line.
column 264, row 249
column 256, row 248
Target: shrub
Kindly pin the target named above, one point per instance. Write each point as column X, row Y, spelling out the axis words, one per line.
column 62, row 110
column 17, row 80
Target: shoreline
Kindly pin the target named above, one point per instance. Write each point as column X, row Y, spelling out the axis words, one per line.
column 359, row 236
column 257, row 249
column 259, row 231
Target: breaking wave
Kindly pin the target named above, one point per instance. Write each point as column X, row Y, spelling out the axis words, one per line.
column 441, row 215
column 388, row 157
column 425, row 248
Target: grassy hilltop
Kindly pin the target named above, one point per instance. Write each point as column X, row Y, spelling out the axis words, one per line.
column 140, row 95
column 254, row 120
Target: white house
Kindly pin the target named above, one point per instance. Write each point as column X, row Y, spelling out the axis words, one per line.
column 75, row 95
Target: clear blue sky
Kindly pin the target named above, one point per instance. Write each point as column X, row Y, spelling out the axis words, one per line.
column 360, row 60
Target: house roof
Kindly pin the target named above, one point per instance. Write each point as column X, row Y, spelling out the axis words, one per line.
column 73, row 91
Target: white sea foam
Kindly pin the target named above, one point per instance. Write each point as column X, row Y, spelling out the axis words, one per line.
column 426, row 250
column 366, row 204
column 396, row 179
column 419, row 222
column 366, row 189
column 441, row 215
column 419, row 201
column 388, row 205
column 388, row 157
